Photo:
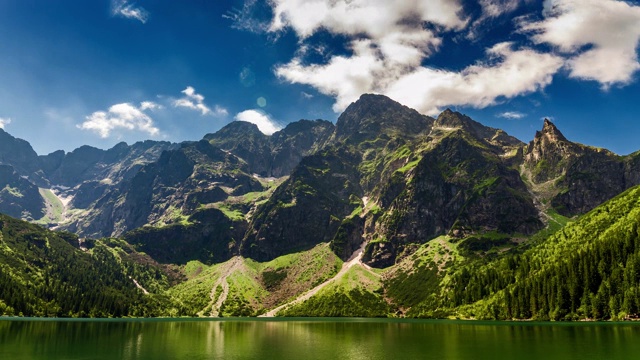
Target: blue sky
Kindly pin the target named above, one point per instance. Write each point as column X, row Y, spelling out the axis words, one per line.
column 98, row 72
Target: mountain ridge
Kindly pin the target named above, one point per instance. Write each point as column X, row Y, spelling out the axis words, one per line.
column 383, row 210
column 377, row 151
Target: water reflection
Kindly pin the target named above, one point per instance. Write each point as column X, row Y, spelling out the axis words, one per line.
column 339, row 339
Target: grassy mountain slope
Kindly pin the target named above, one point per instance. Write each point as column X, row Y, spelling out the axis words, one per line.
column 356, row 294
column 252, row 287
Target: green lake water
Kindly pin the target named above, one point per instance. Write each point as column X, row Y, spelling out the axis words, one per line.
column 314, row 339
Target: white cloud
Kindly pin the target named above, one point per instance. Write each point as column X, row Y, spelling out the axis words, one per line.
column 195, row 101
column 123, row 116
column 608, row 29
column 512, row 115
column 389, row 43
column 516, row 72
column 150, row 105
column 262, row 120
column 511, row 73
column 345, row 78
column 395, row 28
column 4, row 122
column 376, row 18
column 129, row 10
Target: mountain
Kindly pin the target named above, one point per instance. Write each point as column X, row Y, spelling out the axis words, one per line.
column 200, row 175
column 55, row 189
column 275, row 155
column 370, row 182
column 574, row 178
column 386, row 213
column 164, row 191
column 19, row 154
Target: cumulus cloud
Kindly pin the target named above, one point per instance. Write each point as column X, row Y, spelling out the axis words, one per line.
column 510, row 73
column 150, row 105
column 262, row 120
column 514, row 73
column 389, row 43
column 376, row 18
column 600, row 36
column 125, row 116
column 4, row 122
column 343, row 77
column 395, row 28
column 129, row 10
column 512, row 115
column 195, row 101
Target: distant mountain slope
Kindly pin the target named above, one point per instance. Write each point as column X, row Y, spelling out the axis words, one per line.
column 18, row 196
column 199, row 175
column 275, row 155
column 19, row 154
column 68, row 182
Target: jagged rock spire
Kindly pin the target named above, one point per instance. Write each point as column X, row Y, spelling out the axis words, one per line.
column 551, row 132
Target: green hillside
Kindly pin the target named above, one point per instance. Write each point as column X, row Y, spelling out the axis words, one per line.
column 587, row 270
column 43, row 273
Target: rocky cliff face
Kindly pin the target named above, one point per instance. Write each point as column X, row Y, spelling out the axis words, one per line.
column 20, row 155
column 80, row 177
column 376, row 116
column 198, row 174
column 18, row 196
column 456, row 180
column 456, row 188
column 395, row 178
column 111, row 166
column 275, row 155
column 550, row 153
column 307, row 209
column 328, row 186
column 168, row 190
column 209, row 236
column 573, row 177
column 295, row 141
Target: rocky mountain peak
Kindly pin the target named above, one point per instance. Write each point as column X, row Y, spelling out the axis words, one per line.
column 550, row 132
column 547, row 141
column 450, row 119
column 549, row 153
column 236, row 130
column 372, row 115
column 20, row 155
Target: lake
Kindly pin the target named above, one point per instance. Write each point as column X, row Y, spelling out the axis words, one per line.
column 314, row 339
